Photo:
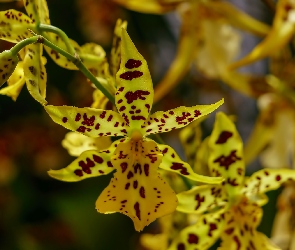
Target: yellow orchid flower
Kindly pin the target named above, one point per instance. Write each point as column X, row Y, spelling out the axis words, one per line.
column 202, row 20
column 280, row 34
column 31, row 69
column 230, row 210
column 136, row 189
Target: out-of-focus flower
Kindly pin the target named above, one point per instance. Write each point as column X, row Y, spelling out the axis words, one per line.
column 281, row 32
column 136, row 189
column 231, row 210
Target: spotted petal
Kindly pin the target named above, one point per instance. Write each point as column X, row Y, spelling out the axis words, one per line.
column 164, row 121
column 14, row 26
column 8, row 63
column 116, row 48
column 90, row 163
column 280, row 34
column 172, row 162
column 15, row 83
column 201, row 199
column 58, row 58
column 136, row 189
column 226, row 154
column 88, row 121
column 37, row 11
column 35, row 72
column 201, row 235
column 134, row 96
column 267, row 179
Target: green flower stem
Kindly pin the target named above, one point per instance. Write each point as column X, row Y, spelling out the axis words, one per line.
column 76, row 60
column 16, row 48
column 60, row 33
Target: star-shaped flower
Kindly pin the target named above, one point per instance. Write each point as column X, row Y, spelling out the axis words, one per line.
column 136, row 189
column 31, row 70
column 232, row 210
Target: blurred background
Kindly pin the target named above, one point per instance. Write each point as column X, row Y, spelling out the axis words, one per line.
column 40, row 213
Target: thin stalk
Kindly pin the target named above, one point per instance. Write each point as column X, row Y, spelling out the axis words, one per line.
column 16, row 48
column 76, row 60
column 60, row 33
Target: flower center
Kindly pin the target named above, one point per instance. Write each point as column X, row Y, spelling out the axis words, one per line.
column 136, row 135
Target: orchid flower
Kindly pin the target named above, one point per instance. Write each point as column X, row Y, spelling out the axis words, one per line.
column 280, row 34
column 31, row 69
column 230, row 210
column 202, row 20
column 136, row 189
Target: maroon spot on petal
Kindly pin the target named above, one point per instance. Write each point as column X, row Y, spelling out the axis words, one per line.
column 127, row 186
column 88, row 121
column 78, row 172
column 142, row 192
column 226, row 161
column 152, row 157
column 137, row 210
column 197, row 113
column 122, row 108
column 124, row 201
column 179, row 166
column 137, row 167
column 129, row 75
column 212, row 227
column 164, row 151
column 131, row 64
column 78, row 117
column 236, row 239
column 110, row 165
column 123, row 166
column 266, row 173
column 102, row 115
column 229, row 230
column 223, row 137
column 129, row 175
column 278, row 178
column 116, row 124
column 149, row 130
column 81, row 129
column 110, row 118
column 135, row 184
column 64, row 119
column 97, row 126
column 193, row 239
column 148, row 107
column 171, row 112
column 138, row 94
column 199, row 199
column 146, row 168
column 100, row 171
column 88, row 164
column 97, row 159
column 119, row 101
column 124, row 131
column 180, row 246
column 137, row 117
